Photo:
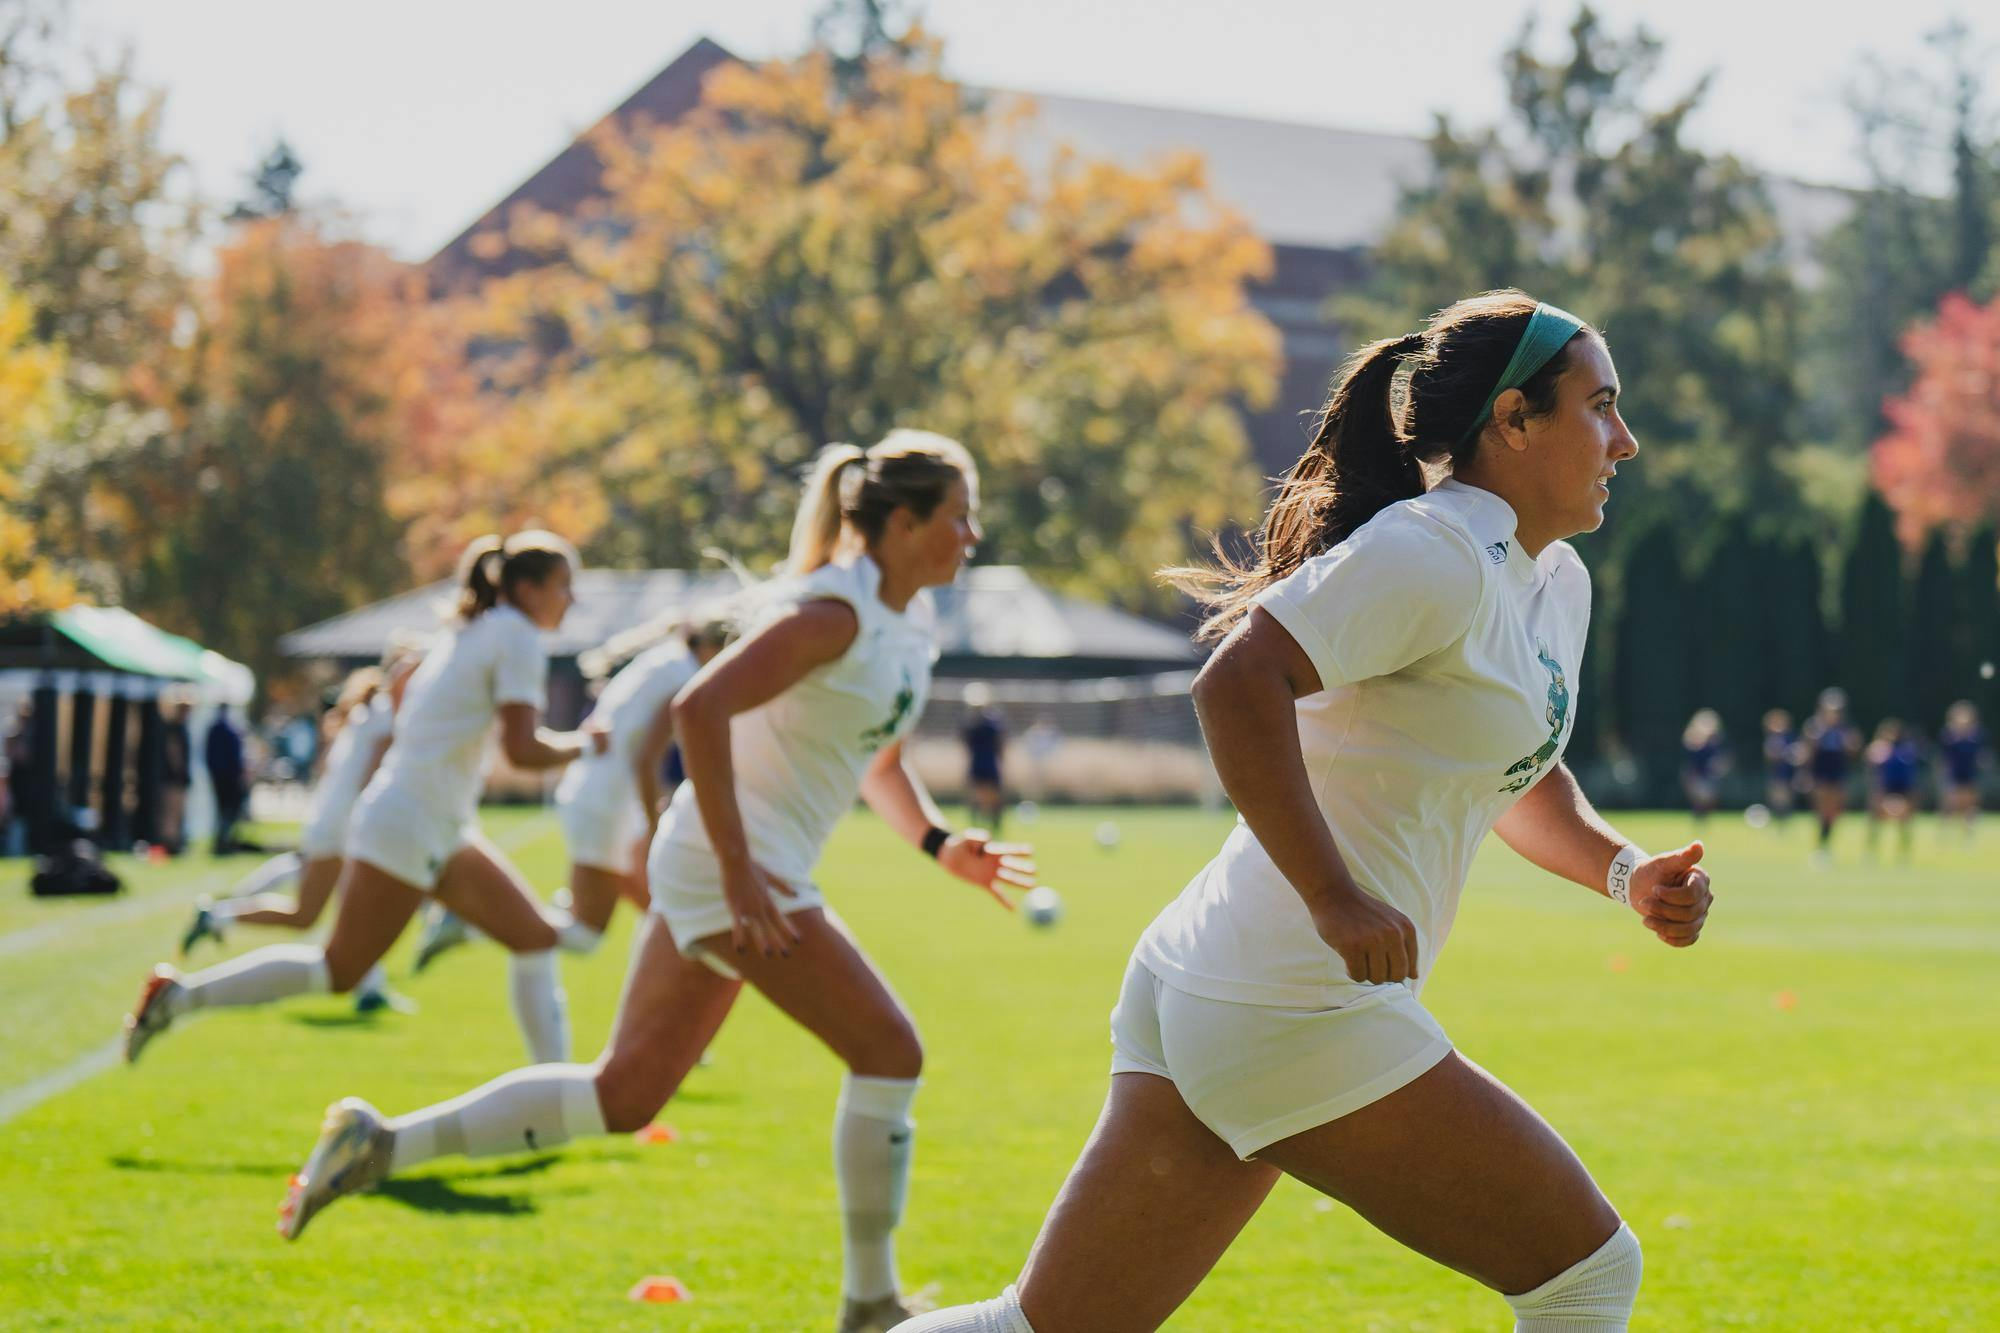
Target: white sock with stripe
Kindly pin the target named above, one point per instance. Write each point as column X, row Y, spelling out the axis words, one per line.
column 528, row 1110
column 872, row 1133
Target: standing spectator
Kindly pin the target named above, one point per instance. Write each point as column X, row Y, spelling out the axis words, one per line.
column 176, row 776
column 222, row 753
column 1704, row 759
column 1962, row 747
column 1781, row 762
column 985, row 736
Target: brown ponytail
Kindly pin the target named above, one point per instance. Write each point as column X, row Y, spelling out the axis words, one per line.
column 1369, row 450
column 857, row 489
column 492, row 567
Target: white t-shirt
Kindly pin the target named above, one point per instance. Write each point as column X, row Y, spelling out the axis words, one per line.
column 345, row 771
column 1449, row 665
column 800, row 757
column 630, row 701
column 438, row 760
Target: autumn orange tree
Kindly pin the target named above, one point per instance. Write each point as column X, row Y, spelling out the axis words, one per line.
column 829, row 248
column 258, row 505
column 33, row 408
column 1939, row 465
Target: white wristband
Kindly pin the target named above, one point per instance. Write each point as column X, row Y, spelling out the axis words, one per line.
column 1618, row 882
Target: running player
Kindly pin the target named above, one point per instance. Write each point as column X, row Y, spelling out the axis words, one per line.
column 1893, row 764
column 358, row 727
column 1397, row 677
column 781, row 732
column 609, row 802
column 1781, row 763
column 1704, row 759
column 415, row 830
column 1962, row 750
column 1830, row 743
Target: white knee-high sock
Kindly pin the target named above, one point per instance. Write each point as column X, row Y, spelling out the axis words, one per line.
column 529, row 1110
column 265, row 878
column 540, row 1007
column 573, row 936
column 1594, row 1295
column 1002, row 1314
column 872, row 1130
column 258, row 977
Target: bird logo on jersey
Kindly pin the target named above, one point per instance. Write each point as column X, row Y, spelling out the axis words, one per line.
column 875, row 738
column 1525, row 771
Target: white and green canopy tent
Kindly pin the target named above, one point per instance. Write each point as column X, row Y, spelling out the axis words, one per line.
column 88, row 683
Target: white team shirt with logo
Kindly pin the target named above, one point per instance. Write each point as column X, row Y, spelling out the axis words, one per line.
column 631, row 700
column 1449, row 665
column 345, row 771
column 438, row 759
column 799, row 758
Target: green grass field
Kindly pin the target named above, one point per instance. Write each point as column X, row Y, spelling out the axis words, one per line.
column 1801, row 1116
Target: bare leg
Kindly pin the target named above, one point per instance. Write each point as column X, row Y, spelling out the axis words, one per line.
column 482, row 885
column 374, row 908
column 594, row 892
column 671, row 1009
column 829, row 987
column 317, row 879
column 1148, row 1208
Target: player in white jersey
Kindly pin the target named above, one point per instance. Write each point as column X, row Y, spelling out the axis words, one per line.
column 415, row 830
column 780, row 732
column 1398, row 676
column 360, row 722
column 608, row 803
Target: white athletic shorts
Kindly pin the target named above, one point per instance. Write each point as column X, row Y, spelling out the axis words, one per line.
column 393, row 833
column 599, row 809
column 325, row 833
column 1256, row 1073
column 686, row 884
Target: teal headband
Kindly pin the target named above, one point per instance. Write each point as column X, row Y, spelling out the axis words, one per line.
column 1549, row 331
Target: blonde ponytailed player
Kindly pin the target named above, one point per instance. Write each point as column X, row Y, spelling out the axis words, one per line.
column 608, row 803
column 415, row 830
column 359, row 725
column 1398, row 677
column 780, row 732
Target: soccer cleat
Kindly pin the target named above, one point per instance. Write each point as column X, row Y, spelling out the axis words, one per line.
column 878, row 1315
column 375, row 1000
column 205, row 926
column 352, row 1155
column 155, row 1010
column 443, row 931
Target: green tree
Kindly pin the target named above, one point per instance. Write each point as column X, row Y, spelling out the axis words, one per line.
column 1875, row 622
column 1937, row 646
column 807, row 258
column 1792, row 624
column 1589, row 196
column 1653, row 698
column 1977, row 608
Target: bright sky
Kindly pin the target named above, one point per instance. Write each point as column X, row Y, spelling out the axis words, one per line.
column 416, row 118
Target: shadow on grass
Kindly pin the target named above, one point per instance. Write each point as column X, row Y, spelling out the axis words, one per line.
column 349, row 1019
column 268, row 1170
column 440, row 1193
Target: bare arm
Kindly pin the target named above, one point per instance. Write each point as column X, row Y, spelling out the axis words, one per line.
column 1245, row 698
column 530, row 745
column 750, row 672
column 894, row 792
column 1554, row 826
column 651, row 757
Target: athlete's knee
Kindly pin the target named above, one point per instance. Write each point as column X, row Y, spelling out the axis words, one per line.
column 1597, row 1292
column 893, row 1050
column 630, row 1094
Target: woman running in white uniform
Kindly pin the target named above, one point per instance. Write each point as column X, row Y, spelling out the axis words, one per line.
column 360, row 723
column 1398, row 677
column 416, row 828
column 780, row 732
column 608, row 803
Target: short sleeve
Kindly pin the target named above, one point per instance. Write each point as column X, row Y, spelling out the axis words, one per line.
column 1399, row 589
column 522, row 673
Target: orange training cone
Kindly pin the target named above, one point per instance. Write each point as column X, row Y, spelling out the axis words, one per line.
column 657, row 1132
column 660, row 1290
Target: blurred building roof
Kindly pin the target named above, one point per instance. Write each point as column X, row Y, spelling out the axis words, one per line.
column 994, row 619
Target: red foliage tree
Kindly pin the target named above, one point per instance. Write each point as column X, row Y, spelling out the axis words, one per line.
column 1940, row 462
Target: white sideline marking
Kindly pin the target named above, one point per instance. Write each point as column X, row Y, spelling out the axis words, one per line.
column 19, row 1100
